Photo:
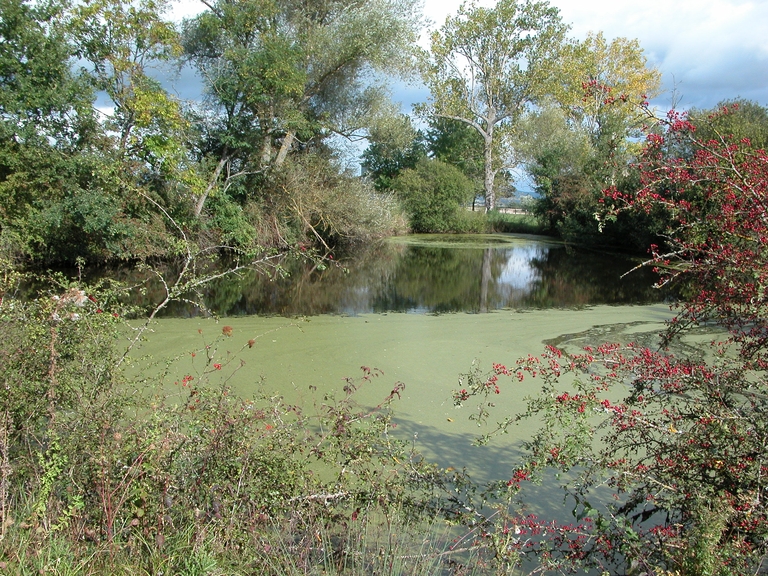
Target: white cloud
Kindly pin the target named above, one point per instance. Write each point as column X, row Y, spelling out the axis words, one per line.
column 708, row 50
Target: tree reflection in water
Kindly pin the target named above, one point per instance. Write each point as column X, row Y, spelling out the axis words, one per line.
column 431, row 274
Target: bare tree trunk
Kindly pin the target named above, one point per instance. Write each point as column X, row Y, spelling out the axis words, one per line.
column 489, row 174
column 266, row 151
column 211, row 185
column 285, row 147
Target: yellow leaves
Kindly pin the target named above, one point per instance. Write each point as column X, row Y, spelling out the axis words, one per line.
column 151, row 105
column 619, row 66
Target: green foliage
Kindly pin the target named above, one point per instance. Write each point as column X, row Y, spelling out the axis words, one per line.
column 281, row 76
column 458, row 144
column 583, row 138
column 434, row 194
column 392, row 148
column 75, row 183
column 514, row 223
column 68, row 189
column 230, row 223
column 486, row 66
column 594, row 75
column 40, row 96
column 733, row 120
column 321, row 203
column 570, row 168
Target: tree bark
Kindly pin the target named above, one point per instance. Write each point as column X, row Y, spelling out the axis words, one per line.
column 211, row 184
column 266, row 151
column 285, row 147
column 489, row 174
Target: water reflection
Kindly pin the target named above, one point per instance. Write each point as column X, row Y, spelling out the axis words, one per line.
column 432, row 274
column 436, row 274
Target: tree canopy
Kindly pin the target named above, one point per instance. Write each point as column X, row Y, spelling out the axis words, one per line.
column 100, row 161
column 584, row 138
column 280, row 74
column 487, row 65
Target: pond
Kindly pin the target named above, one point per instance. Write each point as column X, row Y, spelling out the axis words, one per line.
column 422, row 310
column 430, row 274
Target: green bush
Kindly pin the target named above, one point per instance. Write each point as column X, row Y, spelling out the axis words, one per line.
column 514, row 223
column 469, row 222
column 229, row 223
column 433, row 194
column 161, row 468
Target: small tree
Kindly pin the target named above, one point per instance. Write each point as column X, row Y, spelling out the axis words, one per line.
column 393, row 146
column 678, row 438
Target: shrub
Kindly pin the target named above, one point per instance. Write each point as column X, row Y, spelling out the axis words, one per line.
column 677, row 438
column 328, row 206
column 514, row 223
column 433, row 195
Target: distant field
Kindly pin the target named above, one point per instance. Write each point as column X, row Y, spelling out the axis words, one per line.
column 520, row 211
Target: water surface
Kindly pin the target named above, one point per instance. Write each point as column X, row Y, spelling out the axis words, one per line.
column 431, row 274
column 422, row 310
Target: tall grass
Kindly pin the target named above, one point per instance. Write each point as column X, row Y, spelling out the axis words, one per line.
column 514, row 223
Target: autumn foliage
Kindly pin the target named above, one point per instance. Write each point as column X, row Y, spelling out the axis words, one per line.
column 664, row 441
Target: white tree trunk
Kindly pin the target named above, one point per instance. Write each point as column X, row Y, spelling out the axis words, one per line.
column 285, row 147
column 211, row 185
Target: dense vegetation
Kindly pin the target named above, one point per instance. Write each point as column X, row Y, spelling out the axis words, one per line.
column 113, row 464
column 110, row 468
column 664, row 441
column 97, row 154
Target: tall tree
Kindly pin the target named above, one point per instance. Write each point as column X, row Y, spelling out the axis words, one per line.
column 487, row 65
column 120, row 41
column 51, row 169
column 39, row 93
column 278, row 72
column 596, row 74
column 584, row 138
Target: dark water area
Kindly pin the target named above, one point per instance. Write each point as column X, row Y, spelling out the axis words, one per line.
column 422, row 274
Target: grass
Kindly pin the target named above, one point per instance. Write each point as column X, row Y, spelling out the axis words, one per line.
column 514, row 223
column 374, row 543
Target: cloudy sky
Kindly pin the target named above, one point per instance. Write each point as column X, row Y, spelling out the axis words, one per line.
column 707, row 50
